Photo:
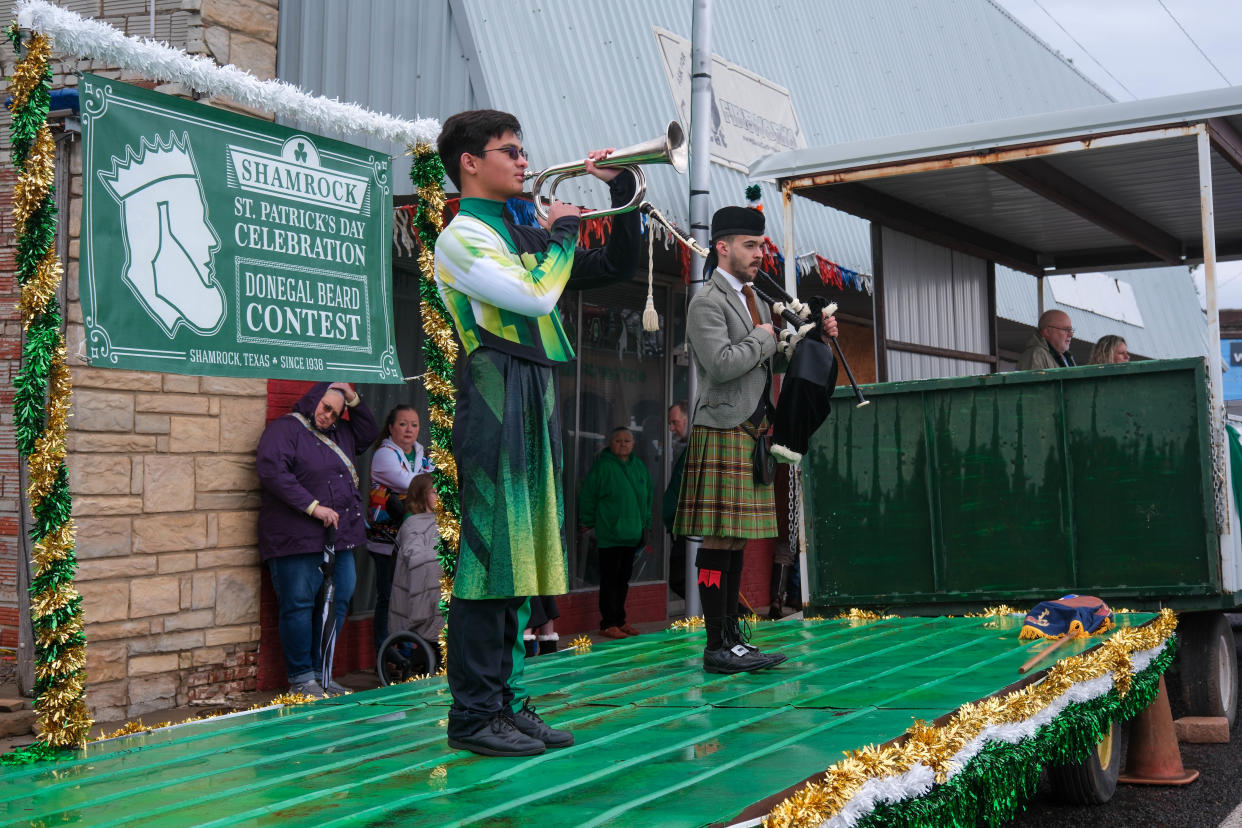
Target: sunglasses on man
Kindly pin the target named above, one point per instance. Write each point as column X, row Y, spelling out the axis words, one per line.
column 513, row 152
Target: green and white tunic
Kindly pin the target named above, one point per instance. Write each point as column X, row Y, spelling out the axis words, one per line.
column 500, row 283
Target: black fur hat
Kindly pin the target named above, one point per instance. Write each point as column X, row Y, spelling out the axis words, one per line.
column 737, row 221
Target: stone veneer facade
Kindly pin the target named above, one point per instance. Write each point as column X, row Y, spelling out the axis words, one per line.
column 161, row 465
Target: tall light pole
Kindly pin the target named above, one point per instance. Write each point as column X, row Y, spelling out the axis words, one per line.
column 700, row 204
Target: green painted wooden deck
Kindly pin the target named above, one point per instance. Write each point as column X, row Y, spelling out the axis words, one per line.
column 658, row 741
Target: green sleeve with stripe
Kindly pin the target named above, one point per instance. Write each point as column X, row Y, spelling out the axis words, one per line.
column 471, row 259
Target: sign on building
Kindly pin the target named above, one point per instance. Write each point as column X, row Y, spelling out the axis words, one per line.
column 1231, row 351
column 751, row 116
column 217, row 244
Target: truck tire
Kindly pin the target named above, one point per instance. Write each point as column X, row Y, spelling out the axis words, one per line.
column 1093, row 780
column 1207, row 665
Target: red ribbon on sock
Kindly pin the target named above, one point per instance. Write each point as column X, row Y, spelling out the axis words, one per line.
column 709, row 577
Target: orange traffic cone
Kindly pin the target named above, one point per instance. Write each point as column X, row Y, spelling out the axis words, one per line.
column 1152, row 757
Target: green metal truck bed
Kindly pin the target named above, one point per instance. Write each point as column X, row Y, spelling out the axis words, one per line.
column 1015, row 487
column 658, row 741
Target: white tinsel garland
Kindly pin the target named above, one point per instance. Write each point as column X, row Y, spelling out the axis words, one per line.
column 72, row 34
column 918, row 781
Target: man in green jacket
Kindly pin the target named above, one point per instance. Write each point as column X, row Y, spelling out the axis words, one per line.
column 1050, row 346
column 615, row 502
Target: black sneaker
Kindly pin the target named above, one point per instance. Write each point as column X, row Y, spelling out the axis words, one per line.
column 737, row 631
column 533, row 725
column 499, row 737
column 734, row 658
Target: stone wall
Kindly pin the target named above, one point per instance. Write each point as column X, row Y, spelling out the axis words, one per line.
column 161, row 465
column 165, row 499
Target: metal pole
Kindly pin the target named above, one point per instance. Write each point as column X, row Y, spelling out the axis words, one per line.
column 791, row 287
column 1208, row 222
column 1220, row 461
column 700, row 205
column 791, row 260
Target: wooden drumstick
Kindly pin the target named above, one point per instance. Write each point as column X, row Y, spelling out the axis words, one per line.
column 1044, row 653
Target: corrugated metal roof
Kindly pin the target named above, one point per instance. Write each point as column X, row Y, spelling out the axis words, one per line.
column 854, row 71
column 388, row 55
column 1042, row 127
column 588, row 74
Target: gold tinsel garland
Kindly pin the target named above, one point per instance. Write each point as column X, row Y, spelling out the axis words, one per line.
column 996, row 611
column 439, row 335
column 30, row 71
column 60, row 708
column 926, row 744
column 856, row 615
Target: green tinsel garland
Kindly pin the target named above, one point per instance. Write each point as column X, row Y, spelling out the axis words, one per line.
column 41, row 394
column 1002, row 777
column 427, row 174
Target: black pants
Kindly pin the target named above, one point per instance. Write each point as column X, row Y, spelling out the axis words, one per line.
column 383, row 591
column 616, row 565
column 486, row 659
column 677, row 566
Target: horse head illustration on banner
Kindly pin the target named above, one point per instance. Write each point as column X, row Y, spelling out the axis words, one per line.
column 169, row 243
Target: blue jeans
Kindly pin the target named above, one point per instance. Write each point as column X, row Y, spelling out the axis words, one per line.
column 296, row 579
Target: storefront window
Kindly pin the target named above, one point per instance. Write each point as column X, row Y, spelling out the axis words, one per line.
column 623, row 374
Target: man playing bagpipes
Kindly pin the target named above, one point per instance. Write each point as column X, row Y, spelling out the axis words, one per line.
column 721, row 499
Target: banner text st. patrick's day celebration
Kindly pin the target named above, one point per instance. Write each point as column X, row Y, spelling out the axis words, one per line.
column 217, row 244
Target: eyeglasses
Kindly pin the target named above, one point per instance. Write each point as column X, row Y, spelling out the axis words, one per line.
column 513, row 152
column 1069, row 331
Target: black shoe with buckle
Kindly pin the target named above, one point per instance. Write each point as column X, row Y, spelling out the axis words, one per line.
column 533, row 725
column 737, row 631
column 499, row 737
column 733, row 658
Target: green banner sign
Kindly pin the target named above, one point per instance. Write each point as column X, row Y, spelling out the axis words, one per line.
column 217, row 244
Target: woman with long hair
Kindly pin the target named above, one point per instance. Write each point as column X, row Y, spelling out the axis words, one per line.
column 398, row 460
column 1109, row 349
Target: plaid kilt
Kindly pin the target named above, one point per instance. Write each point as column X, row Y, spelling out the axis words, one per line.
column 718, row 495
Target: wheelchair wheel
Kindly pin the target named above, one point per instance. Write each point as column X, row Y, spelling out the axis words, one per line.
column 404, row 655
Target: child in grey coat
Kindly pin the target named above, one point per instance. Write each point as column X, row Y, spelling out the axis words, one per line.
column 415, row 602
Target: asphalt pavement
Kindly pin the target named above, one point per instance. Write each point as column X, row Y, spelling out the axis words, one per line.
column 1208, row 802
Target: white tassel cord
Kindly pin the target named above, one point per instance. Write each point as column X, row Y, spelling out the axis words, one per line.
column 72, row 34
column 651, row 319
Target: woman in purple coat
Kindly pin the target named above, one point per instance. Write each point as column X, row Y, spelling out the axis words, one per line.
column 305, row 465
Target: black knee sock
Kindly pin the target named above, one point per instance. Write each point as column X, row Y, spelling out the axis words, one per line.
column 713, row 583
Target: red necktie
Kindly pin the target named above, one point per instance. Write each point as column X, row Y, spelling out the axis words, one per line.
column 751, row 306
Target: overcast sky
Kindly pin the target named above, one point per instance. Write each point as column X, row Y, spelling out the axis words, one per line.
column 1135, row 49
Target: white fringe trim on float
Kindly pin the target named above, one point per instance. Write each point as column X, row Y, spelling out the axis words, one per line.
column 73, row 34
column 918, row 781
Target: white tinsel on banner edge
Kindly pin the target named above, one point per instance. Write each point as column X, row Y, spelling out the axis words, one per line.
column 83, row 38
column 917, row 781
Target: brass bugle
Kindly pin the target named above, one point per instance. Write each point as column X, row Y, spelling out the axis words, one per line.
column 669, row 148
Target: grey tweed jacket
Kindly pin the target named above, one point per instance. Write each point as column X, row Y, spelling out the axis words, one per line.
column 733, row 359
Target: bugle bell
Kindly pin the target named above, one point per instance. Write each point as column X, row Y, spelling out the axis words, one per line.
column 670, row 148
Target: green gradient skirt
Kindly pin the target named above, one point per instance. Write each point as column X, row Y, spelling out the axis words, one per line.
column 507, row 443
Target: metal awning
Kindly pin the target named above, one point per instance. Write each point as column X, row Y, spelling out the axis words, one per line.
column 1140, row 183
column 1085, row 189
